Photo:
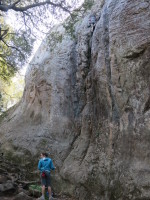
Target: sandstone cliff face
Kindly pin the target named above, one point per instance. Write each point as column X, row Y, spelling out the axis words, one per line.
column 87, row 102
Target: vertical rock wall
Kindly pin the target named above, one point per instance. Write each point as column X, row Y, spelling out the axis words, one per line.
column 86, row 102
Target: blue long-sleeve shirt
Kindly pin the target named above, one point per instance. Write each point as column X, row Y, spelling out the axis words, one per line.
column 45, row 164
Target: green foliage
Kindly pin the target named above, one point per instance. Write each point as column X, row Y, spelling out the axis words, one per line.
column 54, row 39
column 69, row 25
column 1, row 103
column 87, row 4
column 10, row 92
column 6, row 70
column 15, row 49
column 35, row 189
column 76, row 15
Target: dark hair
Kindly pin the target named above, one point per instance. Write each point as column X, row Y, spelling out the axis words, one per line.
column 45, row 154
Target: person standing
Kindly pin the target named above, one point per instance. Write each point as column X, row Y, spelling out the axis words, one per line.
column 45, row 166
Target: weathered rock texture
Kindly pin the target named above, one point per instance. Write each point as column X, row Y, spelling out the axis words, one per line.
column 87, row 102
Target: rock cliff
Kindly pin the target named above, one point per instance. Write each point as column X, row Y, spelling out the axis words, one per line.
column 87, row 102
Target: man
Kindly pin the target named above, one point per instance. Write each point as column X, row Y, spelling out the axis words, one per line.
column 45, row 166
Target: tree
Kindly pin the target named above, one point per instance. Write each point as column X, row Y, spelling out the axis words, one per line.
column 14, row 50
column 16, row 45
column 21, row 6
column 11, row 92
column 32, row 16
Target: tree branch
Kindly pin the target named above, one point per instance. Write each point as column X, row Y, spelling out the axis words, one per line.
column 2, row 35
column 13, row 47
column 16, row 2
column 5, row 8
column 8, row 34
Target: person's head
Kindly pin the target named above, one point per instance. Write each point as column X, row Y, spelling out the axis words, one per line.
column 43, row 155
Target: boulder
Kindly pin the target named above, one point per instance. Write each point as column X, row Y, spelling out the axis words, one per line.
column 7, row 187
column 22, row 196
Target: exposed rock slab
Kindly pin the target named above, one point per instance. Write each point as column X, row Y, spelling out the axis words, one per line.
column 87, row 102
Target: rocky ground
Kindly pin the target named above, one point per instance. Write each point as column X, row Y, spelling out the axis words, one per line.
column 15, row 186
column 31, row 198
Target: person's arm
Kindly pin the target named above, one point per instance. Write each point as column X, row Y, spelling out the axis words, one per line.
column 51, row 165
column 39, row 165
